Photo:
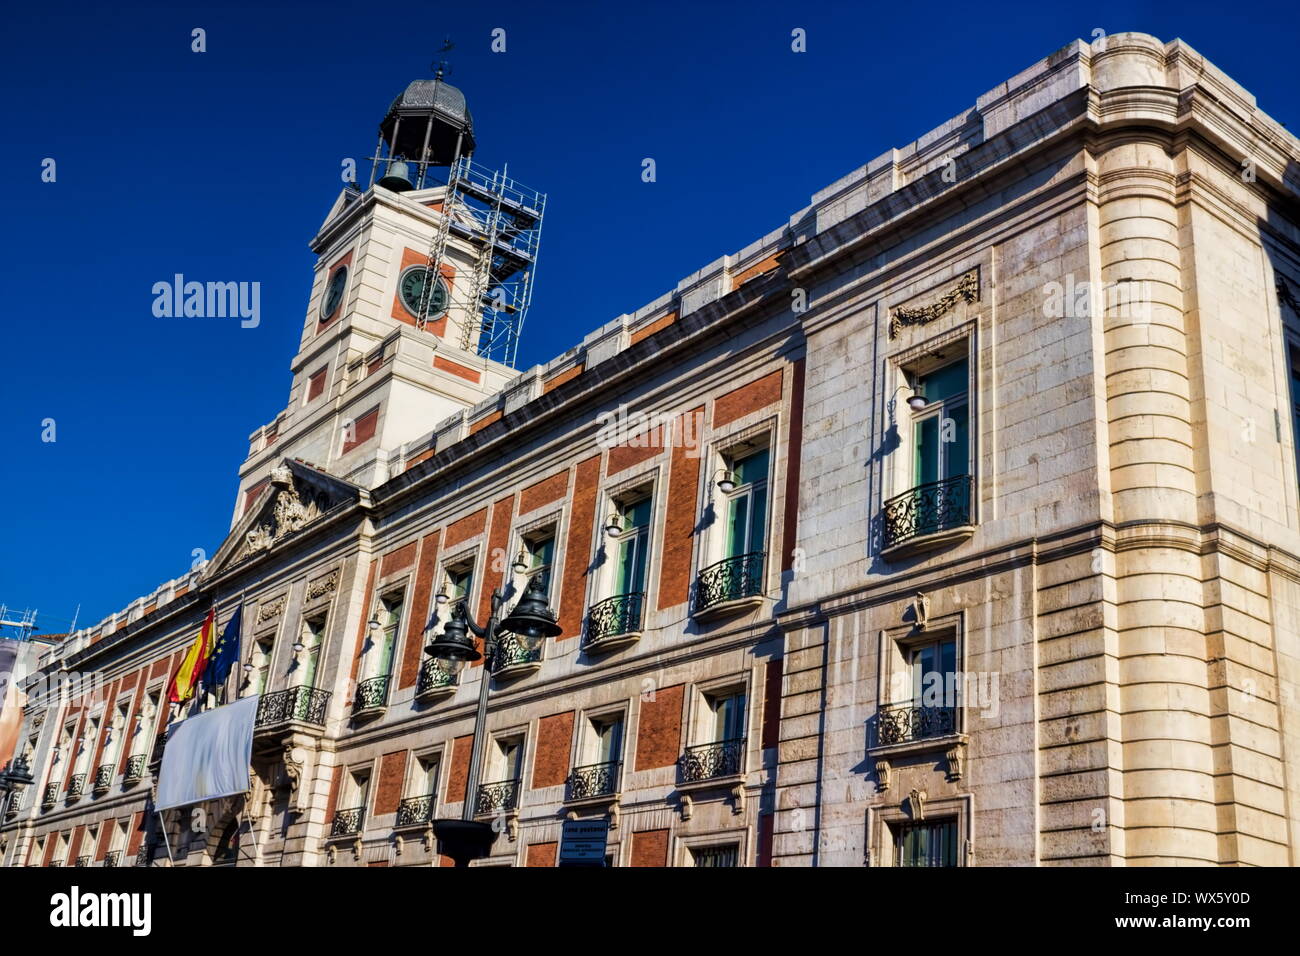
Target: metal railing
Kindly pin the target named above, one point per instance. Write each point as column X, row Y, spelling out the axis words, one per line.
column 927, row 509
column 104, row 777
column 306, row 704
column 142, row 858
column 348, row 822
column 900, row 723
column 730, row 579
column 51, row 795
column 372, row 692
column 135, row 766
column 723, row 758
column 76, row 786
column 497, row 797
column 113, row 858
column 511, row 652
column 433, row 676
column 620, row 614
column 82, row 861
column 414, row 811
column 593, row 780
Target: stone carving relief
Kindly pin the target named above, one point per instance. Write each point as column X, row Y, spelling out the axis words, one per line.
column 967, row 288
column 294, row 505
column 323, row 585
column 270, row 609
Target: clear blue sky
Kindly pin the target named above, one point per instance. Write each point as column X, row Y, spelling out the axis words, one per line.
column 221, row 165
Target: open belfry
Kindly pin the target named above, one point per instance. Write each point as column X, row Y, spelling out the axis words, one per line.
column 954, row 522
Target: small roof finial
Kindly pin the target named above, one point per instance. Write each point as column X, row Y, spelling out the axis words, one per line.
column 440, row 65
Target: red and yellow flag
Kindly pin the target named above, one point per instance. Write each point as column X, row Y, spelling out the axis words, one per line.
column 192, row 664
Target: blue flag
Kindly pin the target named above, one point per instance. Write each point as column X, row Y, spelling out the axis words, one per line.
column 225, row 653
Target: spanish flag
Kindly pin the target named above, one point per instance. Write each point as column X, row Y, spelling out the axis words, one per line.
column 195, row 660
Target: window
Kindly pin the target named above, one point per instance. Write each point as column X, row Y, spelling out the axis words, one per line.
column 925, row 684
column 509, row 759
column 720, row 724
column 539, row 552
column 726, row 854
column 460, row 579
column 308, row 659
column 747, row 505
column 151, row 720
column 933, row 667
column 351, row 813
column 926, row 843
column 598, row 773
column 633, row 546
column 941, row 430
column 726, row 716
column 421, row 786
column 259, row 677
column 389, row 617
column 607, row 736
column 505, row 770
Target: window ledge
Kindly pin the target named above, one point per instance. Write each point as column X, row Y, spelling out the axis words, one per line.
column 516, row 671
column 927, row 542
column 724, row 782
column 728, row 608
column 924, row 745
column 611, row 642
column 596, row 800
column 366, row 714
column 431, row 694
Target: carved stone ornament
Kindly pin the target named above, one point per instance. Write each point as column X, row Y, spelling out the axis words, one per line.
column 331, row 854
column 687, row 806
column 323, row 585
column 271, row 609
column 921, row 611
column 956, row 759
column 967, row 288
column 398, row 843
column 613, row 815
column 738, row 799
column 883, row 770
column 916, row 802
column 295, row 505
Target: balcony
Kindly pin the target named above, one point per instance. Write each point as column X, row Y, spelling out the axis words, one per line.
column 732, row 585
column 497, row 798
column 613, row 623
column 928, row 516
column 435, row 681
column 415, row 811
column 76, row 787
column 51, row 796
column 14, row 805
column 113, row 858
column 594, row 783
column 721, row 762
column 142, row 858
column 371, row 698
column 286, row 711
column 348, row 822
column 512, row 660
column 159, row 745
column 135, row 767
column 907, row 723
column 83, row 860
column 104, row 777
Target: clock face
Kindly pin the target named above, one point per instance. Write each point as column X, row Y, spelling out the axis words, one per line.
column 334, row 294
column 411, row 288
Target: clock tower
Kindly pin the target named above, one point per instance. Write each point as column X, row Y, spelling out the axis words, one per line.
column 422, row 281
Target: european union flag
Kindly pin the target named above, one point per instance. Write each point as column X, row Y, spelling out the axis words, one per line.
column 225, row 654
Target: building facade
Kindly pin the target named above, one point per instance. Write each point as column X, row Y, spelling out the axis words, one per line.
column 954, row 522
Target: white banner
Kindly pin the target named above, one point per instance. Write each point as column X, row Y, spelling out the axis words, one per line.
column 208, row 755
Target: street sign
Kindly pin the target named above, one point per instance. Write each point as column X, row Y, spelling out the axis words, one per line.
column 583, row 842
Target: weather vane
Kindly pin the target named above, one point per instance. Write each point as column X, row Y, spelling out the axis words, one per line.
column 440, row 64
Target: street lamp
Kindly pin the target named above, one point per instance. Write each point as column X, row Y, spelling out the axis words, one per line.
column 915, row 401
column 532, row 621
column 16, row 775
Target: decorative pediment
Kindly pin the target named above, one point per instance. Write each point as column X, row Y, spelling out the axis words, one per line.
column 295, row 496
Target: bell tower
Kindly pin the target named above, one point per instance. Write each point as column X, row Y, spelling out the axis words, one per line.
column 422, row 281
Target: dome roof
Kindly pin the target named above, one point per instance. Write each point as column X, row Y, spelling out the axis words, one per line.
column 422, row 101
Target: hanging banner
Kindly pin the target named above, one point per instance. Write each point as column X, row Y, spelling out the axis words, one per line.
column 208, row 756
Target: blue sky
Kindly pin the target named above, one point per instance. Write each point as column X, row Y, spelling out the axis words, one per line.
column 221, row 165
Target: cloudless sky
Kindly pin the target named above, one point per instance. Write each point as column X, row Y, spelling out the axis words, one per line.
column 221, row 165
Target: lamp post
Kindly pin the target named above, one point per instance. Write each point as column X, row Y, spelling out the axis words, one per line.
column 16, row 775
column 532, row 621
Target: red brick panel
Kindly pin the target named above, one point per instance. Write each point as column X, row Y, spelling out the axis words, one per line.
column 554, row 737
column 134, row 835
column 458, row 778
column 105, row 838
column 757, row 269
column 577, row 553
column 316, row 384
column 498, row 561
column 490, row 418
column 365, row 618
column 543, row 492
column 659, row 731
column 772, row 703
column 398, row 560
column 413, row 654
column 332, row 804
column 748, row 398
column 74, row 845
column 648, row 330
column 392, row 772
column 250, row 496
column 650, row 848
column 51, row 841
column 679, row 524
column 559, row 378
column 639, row 448
column 455, row 368
column 794, row 457
column 107, row 722
column 466, row 528
column 363, row 429
column 541, row 854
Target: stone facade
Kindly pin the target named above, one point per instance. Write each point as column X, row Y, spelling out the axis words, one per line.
column 1091, row 524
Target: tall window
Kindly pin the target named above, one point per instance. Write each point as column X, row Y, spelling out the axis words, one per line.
column 633, row 548
column 460, row 579
column 934, row 673
column 541, row 556
column 941, row 430
column 313, row 634
column 260, row 677
column 509, row 758
column 927, row 843
column 117, row 733
column 424, row 777
column 390, row 617
column 607, row 733
column 747, row 505
column 727, row 716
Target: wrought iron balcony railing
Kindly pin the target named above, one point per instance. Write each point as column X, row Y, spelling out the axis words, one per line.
column 82, row 861
column 414, row 811
column 511, row 652
column 76, row 786
column 306, row 704
column 433, row 676
column 15, row 804
column 159, row 745
column 371, row 693
column 593, row 780
column 51, row 795
column 499, row 797
column 113, row 858
column 901, row 723
column 927, row 509
column 142, row 858
column 730, row 579
column 104, row 777
column 724, row 758
column 348, row 822
column 135, row 766
column 612, row 617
